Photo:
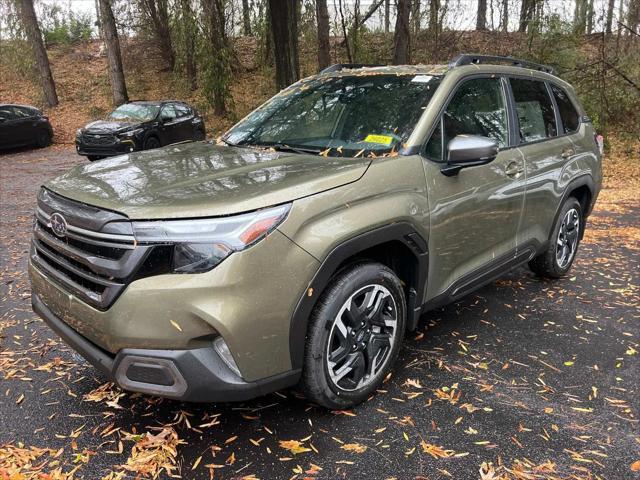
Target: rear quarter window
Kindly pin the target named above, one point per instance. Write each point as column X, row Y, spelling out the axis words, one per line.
column 568, row 113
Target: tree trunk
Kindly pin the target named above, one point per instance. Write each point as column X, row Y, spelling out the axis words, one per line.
column 322, row 17
column 189, row 26
column 246, row 17
column 386, row 15
column 610, row 6
column 590, row 17
column 158, row 12
column 402, row 36
column 110, row 33
column 481, row 18
column 415, row 16
column 527, row 11
column 633, row 15
column 220, row 69
column 284, row 25
column 505, row 15
column 580, row 17
column 30, row 23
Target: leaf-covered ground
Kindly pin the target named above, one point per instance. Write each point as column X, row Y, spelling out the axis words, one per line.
column 526, row 379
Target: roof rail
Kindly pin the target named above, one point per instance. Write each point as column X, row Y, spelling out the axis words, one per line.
column 470, row 59
column 342, row 66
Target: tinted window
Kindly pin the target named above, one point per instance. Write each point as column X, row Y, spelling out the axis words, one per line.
column 134, row 111
column 22, row 112
column 182, row 110
column 568, row 114
column 7, row 113
column 168, row 112
column 534, row 108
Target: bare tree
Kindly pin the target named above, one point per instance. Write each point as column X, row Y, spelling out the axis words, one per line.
column 189, row 31
column 246, row 17
column 505, row 15
column 610, row 6
column 633, row 15
column 284, row 26
column 402, row 35
column 114, row 58
column 590, row 12
column 481, row 18
column 30, row 24
column 157, row 11
column 529, row 10
column 580, row 16
column 322, row 17
column 219, row 71
column 386, row 15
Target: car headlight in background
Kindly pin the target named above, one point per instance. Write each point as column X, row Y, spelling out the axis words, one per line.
column 201, row 244
column 131, row 133
column 79, row 132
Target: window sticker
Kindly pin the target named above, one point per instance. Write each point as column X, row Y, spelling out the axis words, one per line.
column 421, row 79
column 382, row 139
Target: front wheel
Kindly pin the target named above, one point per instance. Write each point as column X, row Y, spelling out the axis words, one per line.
column 93, row 158
column 151, row 143
column 354, row 336
column 557, row 259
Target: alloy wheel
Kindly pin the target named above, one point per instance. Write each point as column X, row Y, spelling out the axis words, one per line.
column 362, row 337
column 567, row 241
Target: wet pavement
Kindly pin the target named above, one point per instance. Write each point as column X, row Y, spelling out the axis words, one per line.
column 540, row 378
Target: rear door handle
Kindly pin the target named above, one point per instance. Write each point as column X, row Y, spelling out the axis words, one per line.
column 567, row 152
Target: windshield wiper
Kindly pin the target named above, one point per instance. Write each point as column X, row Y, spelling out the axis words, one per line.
column 281, row 147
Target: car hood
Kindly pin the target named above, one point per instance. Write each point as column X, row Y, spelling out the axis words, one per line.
column 199, row 179
column 109, row 126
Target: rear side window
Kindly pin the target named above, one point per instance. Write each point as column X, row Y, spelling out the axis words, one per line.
column 568, row 114
column 536, row 117
column 182, row 110
column 168, row 112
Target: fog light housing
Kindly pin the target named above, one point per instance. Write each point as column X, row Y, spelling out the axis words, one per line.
column 222, row 349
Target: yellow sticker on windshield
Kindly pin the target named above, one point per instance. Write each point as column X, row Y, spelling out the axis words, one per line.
column 383, row 139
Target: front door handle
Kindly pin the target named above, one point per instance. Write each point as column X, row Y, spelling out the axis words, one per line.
column 567, row 152
column 513, row 169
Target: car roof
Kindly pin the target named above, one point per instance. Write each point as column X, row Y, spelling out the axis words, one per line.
column 355, row 70
column 155, row 102
column 18, row 105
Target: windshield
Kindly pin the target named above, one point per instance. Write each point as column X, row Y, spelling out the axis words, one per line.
column 134, row 112
column 340, row 116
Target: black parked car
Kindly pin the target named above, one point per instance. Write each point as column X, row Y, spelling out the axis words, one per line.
column 23, row 125
column 140, row 125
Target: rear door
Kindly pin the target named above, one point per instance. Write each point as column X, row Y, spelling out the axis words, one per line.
column 547, row 153
column 170, row 126
column 474, row 214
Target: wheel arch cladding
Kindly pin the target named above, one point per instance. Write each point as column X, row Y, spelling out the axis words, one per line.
column 582, row 189
column 398, row 246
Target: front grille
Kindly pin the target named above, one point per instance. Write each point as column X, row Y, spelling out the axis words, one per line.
column 95, row 259
column 97, row 139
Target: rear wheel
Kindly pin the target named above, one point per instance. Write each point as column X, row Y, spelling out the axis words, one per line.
column 93, row 158
column 151, row 142
column 43, row 139
column 354, row 336
column 557, row 259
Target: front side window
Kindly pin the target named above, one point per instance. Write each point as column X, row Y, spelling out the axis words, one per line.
column 536, row 117
column 568, row 114
column 366, row 114
column 477, row 108
column 134, row 112
column 168, row 113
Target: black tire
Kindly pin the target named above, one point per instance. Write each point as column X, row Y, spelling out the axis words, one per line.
column 151, row 143
column 351, row 284
column 551, row 263
column 43, row 139
column 93, row 158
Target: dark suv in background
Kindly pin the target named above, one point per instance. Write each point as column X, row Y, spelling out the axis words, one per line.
column 140, row 125
column 22, row 125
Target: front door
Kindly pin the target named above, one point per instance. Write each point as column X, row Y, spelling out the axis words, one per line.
column 474, row 214
column 170, row 128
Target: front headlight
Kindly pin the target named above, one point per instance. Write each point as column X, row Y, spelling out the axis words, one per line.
column 201, row 244
column 131, row 133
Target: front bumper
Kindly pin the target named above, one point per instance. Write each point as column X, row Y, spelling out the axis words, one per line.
column 195, row 375
column 117, row 147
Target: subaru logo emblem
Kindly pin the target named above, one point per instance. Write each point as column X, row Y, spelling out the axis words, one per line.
column 58, row 224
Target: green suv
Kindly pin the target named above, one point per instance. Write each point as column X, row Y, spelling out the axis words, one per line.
column 302, row 246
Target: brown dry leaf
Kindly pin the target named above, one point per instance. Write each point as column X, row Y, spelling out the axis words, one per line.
column 354, row 447
column 635, row 466
column 294, row 446
column 153, row 453
column 436, row 451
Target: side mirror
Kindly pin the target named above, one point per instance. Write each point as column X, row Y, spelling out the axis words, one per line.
column 468, row 151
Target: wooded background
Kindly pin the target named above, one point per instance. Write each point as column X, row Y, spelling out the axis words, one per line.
column 227, row 56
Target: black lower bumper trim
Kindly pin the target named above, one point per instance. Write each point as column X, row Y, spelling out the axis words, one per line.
column 195, row 375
